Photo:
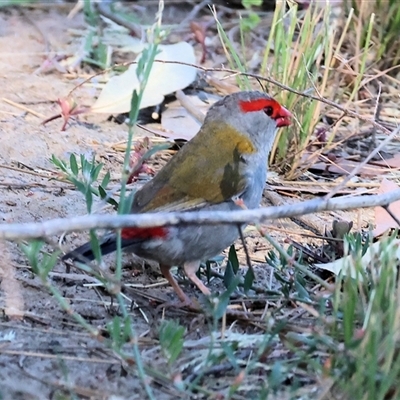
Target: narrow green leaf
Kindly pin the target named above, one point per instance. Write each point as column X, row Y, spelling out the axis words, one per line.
column 251, row 3
column 48, row 263
column 302, row 292
column 224, row 299
column 106, row 180
column 171, row 340
column 114, row 330
column 83, row 162
column 126, row 205
column 105, row 196
column 248, row 280
column 229, row 275
column 144, row 58
column 32, row 251
column 73, row 164
column 208, row 271
column 95, row 244
column 232, row 257
column 89, row 200
column 229, row 351
column 96, row 171
column 135, row 104
column 156, row 148
column 79, row 185
column 102, row 193
column 59, row 163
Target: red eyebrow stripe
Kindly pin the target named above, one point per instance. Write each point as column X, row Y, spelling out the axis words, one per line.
column 144, row 233
column 257, row 105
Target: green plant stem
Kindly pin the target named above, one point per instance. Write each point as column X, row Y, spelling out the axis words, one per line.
column 133, row 116
column 363, row 65
column 66, row 307
column 297, row 265
column 136, row 352
column 143, row 77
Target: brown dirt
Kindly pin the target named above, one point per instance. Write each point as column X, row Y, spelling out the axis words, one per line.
column 44, row 353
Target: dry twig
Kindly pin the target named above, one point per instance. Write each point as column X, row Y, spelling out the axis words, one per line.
column 60, row 225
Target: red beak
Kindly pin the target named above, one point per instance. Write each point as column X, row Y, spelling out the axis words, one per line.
column 284, row 118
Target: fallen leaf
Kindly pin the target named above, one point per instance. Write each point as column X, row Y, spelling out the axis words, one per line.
column 383, row 221
column 177, row 121
column 346, row 265
column 344, row 167
column 223, row 86
column 164, row 79
column 393, row 162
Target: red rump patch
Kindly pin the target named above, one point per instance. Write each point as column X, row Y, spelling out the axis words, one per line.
column 144, row 233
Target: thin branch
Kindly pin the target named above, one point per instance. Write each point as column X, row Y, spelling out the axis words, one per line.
column 60, row 225
column 245, row 248
column 189, row 106
column 393, row 215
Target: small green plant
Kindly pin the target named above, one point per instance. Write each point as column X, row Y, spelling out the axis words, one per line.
column 41, row 262
column 298, row 54
column 384, row 53
column 84, row 175
column 365, row 361
column 231, row 272
column 120, row 333
column 252, row 20
column 232, row 267
column 96, row 53
column 171, row 340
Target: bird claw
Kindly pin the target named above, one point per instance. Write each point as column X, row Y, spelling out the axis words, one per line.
column 240, row 203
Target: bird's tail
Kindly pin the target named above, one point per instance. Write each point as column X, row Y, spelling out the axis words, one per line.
column 85, row 253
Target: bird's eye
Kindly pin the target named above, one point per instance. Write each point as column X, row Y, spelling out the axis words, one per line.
column 269, row 111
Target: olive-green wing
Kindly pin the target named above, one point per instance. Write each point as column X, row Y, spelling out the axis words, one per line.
column 208, row 169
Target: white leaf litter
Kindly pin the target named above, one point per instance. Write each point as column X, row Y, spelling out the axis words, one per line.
column 371, row 259
column 164, row 79
column 177, row 121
